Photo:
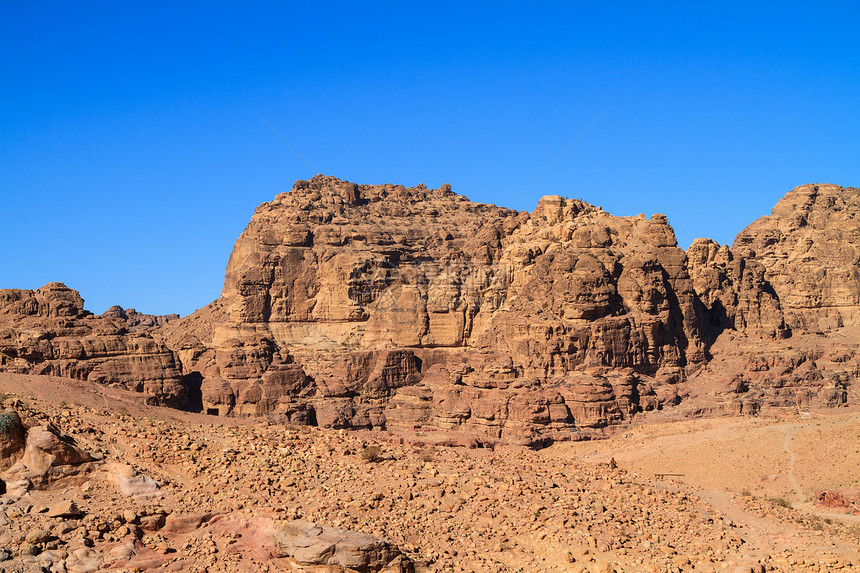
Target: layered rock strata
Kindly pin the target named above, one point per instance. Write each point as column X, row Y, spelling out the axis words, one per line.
column 382, row 306
column 351, row 305
column 47, row 331
column 810, row 248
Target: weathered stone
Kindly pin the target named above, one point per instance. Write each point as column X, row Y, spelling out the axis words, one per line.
column 382, row 306
column 64, row 509
column 349, row 313
column 309, row 544
column 184, row 522
column 47, row 331
column 809, row 247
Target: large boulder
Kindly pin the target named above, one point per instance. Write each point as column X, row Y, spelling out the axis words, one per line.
column 39, row 454
column 337, row 550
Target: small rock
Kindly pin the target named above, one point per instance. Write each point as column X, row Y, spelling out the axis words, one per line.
column 122, row 552
column 65, row 509
column 30, row 549
column 37, row 536
column 152, row 522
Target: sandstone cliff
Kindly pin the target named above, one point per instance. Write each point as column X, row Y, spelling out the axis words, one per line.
column 810, row 247
column 47, row 331
column 381, row 306
column 806, row 255
column 384, row 306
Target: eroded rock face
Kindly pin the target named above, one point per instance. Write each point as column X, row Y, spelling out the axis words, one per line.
column 795, row 272
column 810, row 248
column 12, row 439
column 47, row 331
column 38, row 454
column 373, row 306
column 413, row 306
column 735, row 292
column 311, row 545
column 354, row 305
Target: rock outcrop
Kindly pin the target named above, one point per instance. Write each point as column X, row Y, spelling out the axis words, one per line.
column 309, row 545
column 810, row 248
column 806, row 256
column 382, row 306
column 36, row 455
column 351, row 305
column 47, row 331
column 370, row 306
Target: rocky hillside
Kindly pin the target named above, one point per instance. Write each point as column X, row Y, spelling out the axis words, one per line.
column 381, row 306
column 810, row 246
column 48, row 332
column 101, row 482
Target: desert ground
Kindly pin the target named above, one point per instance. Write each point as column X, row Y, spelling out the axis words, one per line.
column 213, row 489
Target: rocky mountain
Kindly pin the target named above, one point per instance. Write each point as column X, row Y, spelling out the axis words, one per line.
column 382, row 306
column 47, row 331
column 810, row 248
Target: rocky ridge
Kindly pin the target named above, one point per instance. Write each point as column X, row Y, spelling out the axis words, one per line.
column 48, row 332
column 366, row 306
column 810, row 248
column 382, row 306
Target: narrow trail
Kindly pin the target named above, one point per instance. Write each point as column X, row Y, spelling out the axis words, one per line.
column 788, row 432
column 767, row 537
column 804, row 502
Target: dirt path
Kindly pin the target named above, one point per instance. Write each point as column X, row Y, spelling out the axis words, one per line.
column 788, row 432
column 802, row 499
column 765, row 537
column 722, row 460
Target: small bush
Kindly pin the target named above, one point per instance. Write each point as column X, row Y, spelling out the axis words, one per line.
column 8, row 422
column 746, row 493
column 780, row 501
column 371, row 454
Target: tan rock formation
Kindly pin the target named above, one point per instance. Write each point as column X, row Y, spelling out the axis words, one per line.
column 810, row 248
column 310, row 545
column 372, row 306
column 47, row 331
column 734, row 291
column 369, row 306
column 38, row 454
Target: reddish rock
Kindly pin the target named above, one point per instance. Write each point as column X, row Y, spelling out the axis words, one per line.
column 375, row 306
column 47, row 331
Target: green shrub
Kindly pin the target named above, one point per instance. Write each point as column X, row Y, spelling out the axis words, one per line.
column 8, row 422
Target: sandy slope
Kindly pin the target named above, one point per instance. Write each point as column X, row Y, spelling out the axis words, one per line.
column 448, row 508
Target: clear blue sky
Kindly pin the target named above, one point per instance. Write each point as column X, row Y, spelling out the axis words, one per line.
column 131, row 157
